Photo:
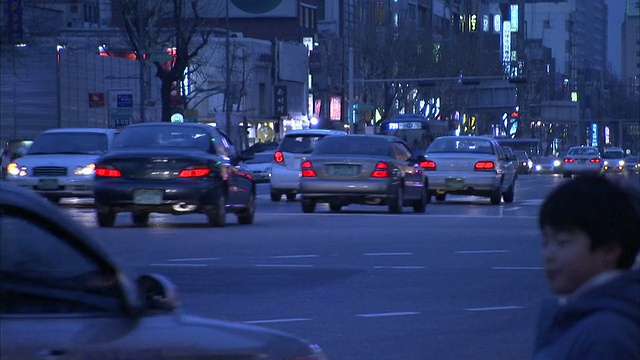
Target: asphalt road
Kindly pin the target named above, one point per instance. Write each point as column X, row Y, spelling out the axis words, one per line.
column 462, row 281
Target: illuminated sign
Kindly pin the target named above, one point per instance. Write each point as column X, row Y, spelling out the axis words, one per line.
column 335, row 108
column 506, row 42
column 473, row 23
column 514, row 17
column 485, row 23
column 594, row 134
column 496, row 23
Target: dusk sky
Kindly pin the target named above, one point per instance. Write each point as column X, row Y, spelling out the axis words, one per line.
column 614, row 47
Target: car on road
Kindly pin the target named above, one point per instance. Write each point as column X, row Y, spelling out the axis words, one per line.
column 582, row 160
column 631, row 165
column 61, row 162
column 545, row 164
column 62, row 296
column 525, row 164
column 12, row 150
column 469, row 165
column 285, row 169
column 258, row 165
column 362, row 169
column 175, row 168
column 614, row 159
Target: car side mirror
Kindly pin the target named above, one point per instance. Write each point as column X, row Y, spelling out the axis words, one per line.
column 157, row 293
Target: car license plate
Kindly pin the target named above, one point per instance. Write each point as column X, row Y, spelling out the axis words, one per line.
column 344, row 170
column 454, row 183
column 47, row 184
column 147, row 197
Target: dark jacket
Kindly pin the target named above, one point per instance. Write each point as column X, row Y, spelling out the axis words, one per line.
column 601, row 323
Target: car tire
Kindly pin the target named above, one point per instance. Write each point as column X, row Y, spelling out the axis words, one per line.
column 397, row 202
column 441, row 197
column 106, row 217
column 335, row 207
column 510, row 194
column 275, row 196
column 246, row 216
column 495, row 197
column 291, row 196
column 308, row 206
column 217, row 216
column 420, row 206
column 140, row 219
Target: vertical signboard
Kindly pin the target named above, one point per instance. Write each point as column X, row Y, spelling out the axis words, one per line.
column 120, row 108
column 506, row 46
column 335, row 108
column 280, row 100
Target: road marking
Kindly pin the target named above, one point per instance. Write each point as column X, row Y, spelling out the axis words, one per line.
column 400, row 267
column 275, row 321
column 512, row 208
column 388, row 254
column 495, row 308
column 517, row 268
column 180, row 265
column 284, row 265
column 481, row 251
column 406, row 216
column 293, row 256
column 193, row 259
column 404, row 313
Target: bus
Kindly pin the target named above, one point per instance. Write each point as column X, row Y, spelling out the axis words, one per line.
column 417, row 130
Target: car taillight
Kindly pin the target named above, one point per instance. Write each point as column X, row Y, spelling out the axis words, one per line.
column 307, row 169
column 278, row 157
column 595, row 160
column 568, row 160
column 381, row 170
column 107, row 172
column 191, row 173
column 428, row 165
column 484, row 165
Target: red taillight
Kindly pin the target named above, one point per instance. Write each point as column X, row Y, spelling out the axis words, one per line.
column 428, row 165
column 568, row 160
column 594, row 160
column 278, row 157
column 190, row 173
column 107, row 172
column 484, row 165
column 307, row 169
column 381, row 170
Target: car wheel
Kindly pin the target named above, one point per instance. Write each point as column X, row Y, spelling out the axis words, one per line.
column 495, row 197
column 106, row 217
column 420, row 206
column 291, row 196
column 275, row 196
column 397, row 202
column 335, row 206
column 246, row 216
column 441, row 197
column 218, row 214
column 308, row 206
column 140, row 218
column 509, row 195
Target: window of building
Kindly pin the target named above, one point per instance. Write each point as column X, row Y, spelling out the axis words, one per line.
column 546, row 24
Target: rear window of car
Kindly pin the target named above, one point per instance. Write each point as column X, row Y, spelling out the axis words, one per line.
column 163, row 136
column 583, row 151
column 461, row 145
column 354, row 145
column 300, row 144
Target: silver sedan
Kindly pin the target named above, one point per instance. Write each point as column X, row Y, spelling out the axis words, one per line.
column 469, row 165
column 582, row 160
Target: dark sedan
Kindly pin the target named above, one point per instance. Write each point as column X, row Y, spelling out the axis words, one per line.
column 172, row 168
column 362, row 169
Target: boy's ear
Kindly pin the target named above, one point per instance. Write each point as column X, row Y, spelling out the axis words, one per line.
column 611, row 253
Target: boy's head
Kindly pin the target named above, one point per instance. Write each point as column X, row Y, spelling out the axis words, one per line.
column 590, row 225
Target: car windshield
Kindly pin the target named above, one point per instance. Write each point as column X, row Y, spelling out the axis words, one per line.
column 300, row 144
column 460, row 145
column 613, row 154
column 353, row 145
column 260, row 158
column 521, row 154
column 163, row 137
column 70, row 143
column 583, row 151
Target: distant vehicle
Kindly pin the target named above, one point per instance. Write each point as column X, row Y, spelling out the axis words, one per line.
column 363, row 169
column 260, row 147
column 631, row 164
column 63, row 296
column 511, row 156
column 469, row 165
column 582, row 160
column 545, row 164
column 532, row 146
column 614, row 159
column 259, row 165
column 416, row 130
column 524, row 162
column 173, row 168
column 285, row 169
column 61, row 162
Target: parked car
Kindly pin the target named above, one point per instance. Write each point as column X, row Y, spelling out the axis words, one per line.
column 61, row 162
column 63, row 296
column 285, row 170
column 525, row 165
column 175, row 168
column 259, row 165
column 363, row 169
column 582, row 160
column 613, row 158
column 631, row 164
column 469, row 165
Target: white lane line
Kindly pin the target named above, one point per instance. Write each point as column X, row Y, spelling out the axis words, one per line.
column 388, row 254
column 403, row 313
column 194, row 259
column 437, row 216
column 284, row 265
column 481, row 251
column 495, row 308
column 179, row 265
column 517, row 268
column 400, row 267
column 293, row 256
column 512, row 208
column 275, row 321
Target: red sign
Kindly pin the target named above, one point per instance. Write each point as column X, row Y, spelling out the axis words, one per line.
column 96, row 100
column 335, row 108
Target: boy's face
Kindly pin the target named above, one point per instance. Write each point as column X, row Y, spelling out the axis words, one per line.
column 569, row 262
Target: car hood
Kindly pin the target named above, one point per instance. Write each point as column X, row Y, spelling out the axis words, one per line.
column 65, row 160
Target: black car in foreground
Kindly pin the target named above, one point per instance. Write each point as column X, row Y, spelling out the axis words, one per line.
column 174, row 168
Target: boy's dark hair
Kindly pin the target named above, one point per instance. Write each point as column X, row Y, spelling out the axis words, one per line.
column 606, row 211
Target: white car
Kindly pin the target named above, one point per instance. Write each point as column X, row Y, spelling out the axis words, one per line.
column 259, row 166
column 285, row 169
column 60, row 162
column 582, row 160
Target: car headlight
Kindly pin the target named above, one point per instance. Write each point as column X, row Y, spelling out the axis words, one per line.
column 606, row 162
column 16, row 170
column 621, row 163
column 88, row 169
column 538, row 167
column 557, row 163
column 530, row 164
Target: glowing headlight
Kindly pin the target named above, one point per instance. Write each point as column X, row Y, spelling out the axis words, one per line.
column 530, row 163
column 556, row 163
column 85, row 170
column 538, row 167
column 621, row 163
column 16, row 170
column 606, row 162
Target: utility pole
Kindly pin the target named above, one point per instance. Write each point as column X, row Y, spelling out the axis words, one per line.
column 141, row 59
column 350, row 113
column 227, row 91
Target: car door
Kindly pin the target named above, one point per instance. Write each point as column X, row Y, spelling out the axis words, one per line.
column 411, row 173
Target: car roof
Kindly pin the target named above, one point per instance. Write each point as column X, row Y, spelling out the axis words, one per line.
column 171, row 124
column 315, row 132
column 81, row 130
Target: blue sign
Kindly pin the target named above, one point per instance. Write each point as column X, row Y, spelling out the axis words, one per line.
column 594, row 134
column 124, row 100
